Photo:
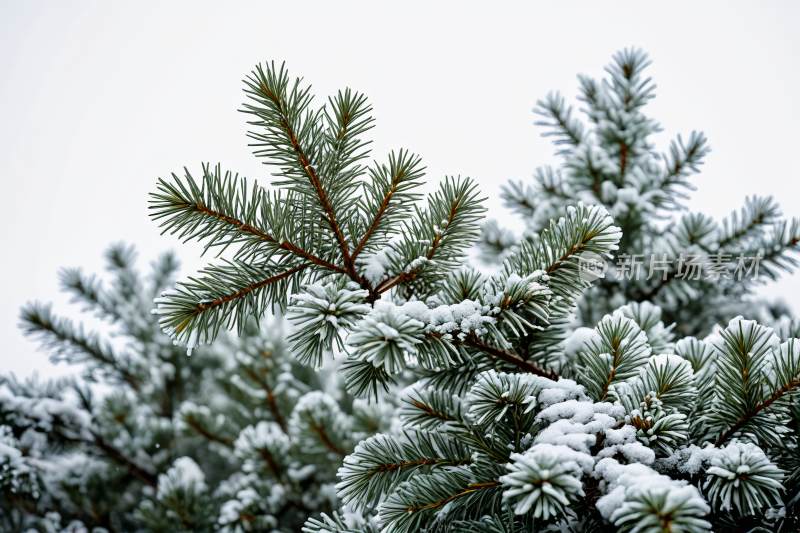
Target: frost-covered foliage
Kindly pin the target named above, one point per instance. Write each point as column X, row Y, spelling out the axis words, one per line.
column 238, row 437
column 542, row 402
column 696, row 269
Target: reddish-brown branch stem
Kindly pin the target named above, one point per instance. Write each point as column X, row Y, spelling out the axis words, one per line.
column 204, row 307
column 608, row 383
column 273, row 406
column 431, row 412
column 176, row 506
column 453, row 211
column 470, row 489
column 378, row 215
column 523, row 365
column 724, row 435
column 348, row 261
column 402, row 278
column 314, row 259
column 241, row 226
column 395, row 466
column 407, row 276
column 326, row 440
column 115, row 454
column 557, row 264
column 271, row 462
column 189, row 420
column 315, row 181
column 286, row 245
column 132, row 380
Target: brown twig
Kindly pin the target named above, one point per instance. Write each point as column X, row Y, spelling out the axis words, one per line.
column 378, row 215
column 176, row 506
column 189, row 420
column 395, row 466
column 407, row 276
column 271, row 462
column 560, row 261
column 432, row 412
column 286, row 245
column 315, row 181
column 724, row 435
column 273, row 406
column 470, row 489
column 134, row 469
column 473, row 342
column 523, row 365
column 204, row 307
column 326, row 440
column 610, row 379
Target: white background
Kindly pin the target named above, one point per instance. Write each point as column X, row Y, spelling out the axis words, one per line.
column 99, row 99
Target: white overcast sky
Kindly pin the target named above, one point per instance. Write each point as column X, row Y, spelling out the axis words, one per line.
column 99, row 99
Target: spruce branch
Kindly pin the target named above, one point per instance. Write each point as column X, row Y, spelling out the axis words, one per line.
column 195, row 311
column 743, row 375
column 565, row 129
column 294, row 137
column 617, row 354
column 362, row 378
column 72, row 344
column 786, row 380
column 86, row 289
column 758, row 213
column 222, row 211
column 388, row 197
column 430, row 408
column 318, row 425
column 525, row 366
column 437, row 235
column 189, row 419
column 271, row 401
column 113, row 453
column 415, row 501
column 381, row 463
column 334, row 524
column 683, row 160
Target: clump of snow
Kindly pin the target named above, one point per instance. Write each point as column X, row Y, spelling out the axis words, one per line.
column 533, row 391
column 185, row 473
column 374, row 268
column 43, row 413
column 622, row 483
column 267, row 436
column 580, row 340
column 576, row 424
column 465, row 317
column 545, row 475
column 328, row 304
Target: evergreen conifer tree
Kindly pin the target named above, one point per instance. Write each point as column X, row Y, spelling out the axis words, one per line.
column 520, row 420
column 609, row 160
column 545, row 398
column 238, row 437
